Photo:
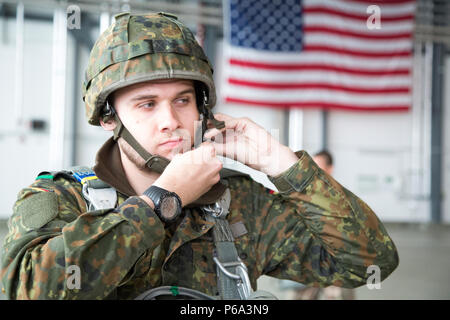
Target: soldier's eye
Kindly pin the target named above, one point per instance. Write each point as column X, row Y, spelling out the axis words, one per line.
column 182, row 101
column 147, row 105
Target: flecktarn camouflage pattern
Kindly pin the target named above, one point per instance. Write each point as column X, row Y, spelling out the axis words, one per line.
column 313, row 231
column 137, row 48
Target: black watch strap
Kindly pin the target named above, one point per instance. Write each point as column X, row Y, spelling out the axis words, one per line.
column 157, row 195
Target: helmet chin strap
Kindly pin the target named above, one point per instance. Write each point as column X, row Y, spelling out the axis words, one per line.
column 153, row 162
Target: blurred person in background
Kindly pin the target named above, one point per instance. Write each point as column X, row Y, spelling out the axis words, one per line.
column 324, row 160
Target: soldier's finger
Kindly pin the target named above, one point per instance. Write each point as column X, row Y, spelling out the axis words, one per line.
column 226, row 149
column 222, row 117
column 212, row 133
column 207, row 151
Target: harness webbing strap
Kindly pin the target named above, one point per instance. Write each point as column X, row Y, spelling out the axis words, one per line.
column 227, row 256
column 98, row 194
column 232, row 278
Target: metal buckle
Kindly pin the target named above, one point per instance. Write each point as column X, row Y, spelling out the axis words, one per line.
column 219, row 209
column 105, row 198
column 243, row 281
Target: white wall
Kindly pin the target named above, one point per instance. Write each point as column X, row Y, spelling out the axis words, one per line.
column 24, row 154
column 373, row 153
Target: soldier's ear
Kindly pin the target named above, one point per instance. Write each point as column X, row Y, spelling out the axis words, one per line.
column 107, row 119
column 108, row 123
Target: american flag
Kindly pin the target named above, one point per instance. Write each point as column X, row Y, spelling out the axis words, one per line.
column 325, row 54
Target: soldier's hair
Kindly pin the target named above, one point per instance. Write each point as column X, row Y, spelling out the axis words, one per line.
column 327, row 155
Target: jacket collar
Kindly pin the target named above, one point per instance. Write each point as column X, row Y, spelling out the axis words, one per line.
column 108, row 168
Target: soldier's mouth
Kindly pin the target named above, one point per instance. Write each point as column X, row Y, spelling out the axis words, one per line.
column 172, row 143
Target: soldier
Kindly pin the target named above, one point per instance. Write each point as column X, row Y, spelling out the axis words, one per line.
column 175, row 217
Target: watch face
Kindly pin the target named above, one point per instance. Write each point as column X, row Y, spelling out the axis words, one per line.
column 169, row 208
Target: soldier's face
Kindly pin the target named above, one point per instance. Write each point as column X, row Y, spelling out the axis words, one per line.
column 159, row 114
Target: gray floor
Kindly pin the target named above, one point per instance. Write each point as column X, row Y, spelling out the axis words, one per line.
column 423, row 273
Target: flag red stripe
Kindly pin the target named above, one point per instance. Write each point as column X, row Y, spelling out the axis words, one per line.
column 319, row 86
column 334, row 12
column 370, row 54
column 319, row 104
column 360, row 35
column 317, row 67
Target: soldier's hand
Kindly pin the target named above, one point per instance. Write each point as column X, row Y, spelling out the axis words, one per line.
column 192, row 173
column 243, row 140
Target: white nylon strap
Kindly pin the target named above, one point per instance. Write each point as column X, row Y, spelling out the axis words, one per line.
column 104, row 198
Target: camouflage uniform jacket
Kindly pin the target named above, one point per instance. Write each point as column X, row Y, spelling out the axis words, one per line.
column 313, row 231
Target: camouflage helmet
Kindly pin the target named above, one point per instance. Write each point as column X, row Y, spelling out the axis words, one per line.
column 139, row 48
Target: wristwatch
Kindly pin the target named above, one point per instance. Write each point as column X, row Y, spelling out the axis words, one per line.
column 167, row 204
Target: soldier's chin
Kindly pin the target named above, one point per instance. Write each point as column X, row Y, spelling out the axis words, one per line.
column 172, row 153
column 184, row 147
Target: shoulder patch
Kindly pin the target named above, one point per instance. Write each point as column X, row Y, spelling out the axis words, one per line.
column 38, row 209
